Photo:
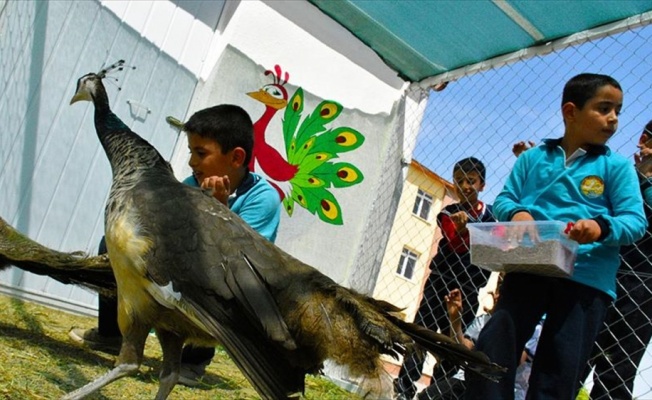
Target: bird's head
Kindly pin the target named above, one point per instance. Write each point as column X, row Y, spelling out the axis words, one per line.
column 273, row 95
column 88, row 84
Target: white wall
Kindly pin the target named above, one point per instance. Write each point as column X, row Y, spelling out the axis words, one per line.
column 53, row 174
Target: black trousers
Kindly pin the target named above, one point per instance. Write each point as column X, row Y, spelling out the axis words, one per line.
column 107, row 317
column 621, row 344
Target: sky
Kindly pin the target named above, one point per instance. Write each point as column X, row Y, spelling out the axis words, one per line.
column 483, row 115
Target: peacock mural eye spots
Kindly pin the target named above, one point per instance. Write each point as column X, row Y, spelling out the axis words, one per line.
column 329, row 209
column 346, row 139
column 328, row 110
column 347, row 174
column 312, row 181
column 309, row 144
column 303, row 171
column 296, row 103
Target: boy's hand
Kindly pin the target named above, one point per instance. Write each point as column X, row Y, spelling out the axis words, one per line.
column 460, row 219
column 643, row 159
column 220, row 185
column 522, row 216
column 521, row 146
column 585, row 231
column 454, row 304
column 515, row 234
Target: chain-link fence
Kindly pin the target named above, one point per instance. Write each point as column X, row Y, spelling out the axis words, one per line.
column 483, row 114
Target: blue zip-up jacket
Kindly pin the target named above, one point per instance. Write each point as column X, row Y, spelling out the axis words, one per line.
column 599, row 185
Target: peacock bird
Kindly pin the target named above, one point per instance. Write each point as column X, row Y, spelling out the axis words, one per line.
column 265, row 158
column 305, row 177
column 192, row 270
column 77, row 268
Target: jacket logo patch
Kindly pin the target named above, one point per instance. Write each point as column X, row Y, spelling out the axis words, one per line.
column 592, row 186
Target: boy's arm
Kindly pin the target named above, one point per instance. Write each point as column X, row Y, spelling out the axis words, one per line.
column 454, row 306
column 507, row 203
column 261, row 211
column 626, row 223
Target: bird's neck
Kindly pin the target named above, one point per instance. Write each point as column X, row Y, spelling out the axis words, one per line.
column 262, row 123
column 127, row 152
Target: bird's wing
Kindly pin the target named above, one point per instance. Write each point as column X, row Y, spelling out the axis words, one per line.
column 201, row 251
column 196, row 257
column 252, row 292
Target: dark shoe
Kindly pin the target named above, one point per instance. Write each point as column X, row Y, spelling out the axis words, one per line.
column 191, row 374
column 93, row 340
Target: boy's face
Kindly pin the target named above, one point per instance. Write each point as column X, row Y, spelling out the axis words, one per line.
column 207, row 159
column 598, row 120
column 467, row 186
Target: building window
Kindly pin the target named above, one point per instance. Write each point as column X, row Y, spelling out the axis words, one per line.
column 407, row 263
column 422, row 204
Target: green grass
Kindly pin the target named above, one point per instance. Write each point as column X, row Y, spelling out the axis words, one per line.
column 38, row 361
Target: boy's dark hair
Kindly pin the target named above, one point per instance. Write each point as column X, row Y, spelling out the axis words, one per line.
column 471, row 164
column 580, row 88
column 229, row 125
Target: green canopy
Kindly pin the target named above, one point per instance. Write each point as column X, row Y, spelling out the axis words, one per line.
column 424, row 38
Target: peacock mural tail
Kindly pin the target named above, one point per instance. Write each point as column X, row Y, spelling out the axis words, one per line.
column 312, row 147
column 308, row 174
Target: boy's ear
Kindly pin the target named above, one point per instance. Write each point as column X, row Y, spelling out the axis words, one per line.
column 568, row 111
column 238, row 156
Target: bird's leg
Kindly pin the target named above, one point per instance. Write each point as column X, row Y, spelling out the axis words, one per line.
column 171, row 345
column 115, row 374
column 129, row 359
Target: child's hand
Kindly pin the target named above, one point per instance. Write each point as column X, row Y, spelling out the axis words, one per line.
column 220, row 185
column 585, row 231
column 460, row 219
column 515, row 234
column 643, row 164
column 643, row 159
column 521, row 146
column 454, row 304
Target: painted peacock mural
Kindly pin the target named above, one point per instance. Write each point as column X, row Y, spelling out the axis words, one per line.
column 307, row 175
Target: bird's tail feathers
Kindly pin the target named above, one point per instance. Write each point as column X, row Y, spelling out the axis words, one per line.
column 445, row 347
column 77, row 268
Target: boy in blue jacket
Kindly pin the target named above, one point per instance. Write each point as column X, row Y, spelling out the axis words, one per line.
column 578, row 179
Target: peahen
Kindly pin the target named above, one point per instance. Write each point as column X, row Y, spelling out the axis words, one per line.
column 191, row 269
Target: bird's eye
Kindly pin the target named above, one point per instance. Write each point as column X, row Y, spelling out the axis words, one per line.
column 273, row 91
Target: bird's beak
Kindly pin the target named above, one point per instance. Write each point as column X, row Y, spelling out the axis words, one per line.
column 75, row 98
column 81, row 96
column 81, row 93
column 268, row 100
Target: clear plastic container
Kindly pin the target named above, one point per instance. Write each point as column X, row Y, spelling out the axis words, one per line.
column 536, row 247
